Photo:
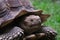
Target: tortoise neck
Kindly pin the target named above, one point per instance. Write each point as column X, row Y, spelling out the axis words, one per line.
column 3, row 13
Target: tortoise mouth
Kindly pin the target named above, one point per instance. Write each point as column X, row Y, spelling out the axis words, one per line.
column 3, row 12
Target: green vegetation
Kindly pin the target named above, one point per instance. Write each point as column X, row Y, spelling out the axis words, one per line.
column 52, row 8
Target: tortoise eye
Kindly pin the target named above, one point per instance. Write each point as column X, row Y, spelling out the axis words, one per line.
column 31, row 20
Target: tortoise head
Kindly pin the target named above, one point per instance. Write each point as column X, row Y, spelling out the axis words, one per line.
column 2, row 8
column 31, row 23
column 32, row 20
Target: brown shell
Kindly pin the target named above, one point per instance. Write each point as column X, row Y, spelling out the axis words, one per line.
column 18, row 8
column 18, row 3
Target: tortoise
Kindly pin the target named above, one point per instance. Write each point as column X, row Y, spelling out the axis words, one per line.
column 13, row 14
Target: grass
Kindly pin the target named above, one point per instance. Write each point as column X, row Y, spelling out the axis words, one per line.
column 52, row 8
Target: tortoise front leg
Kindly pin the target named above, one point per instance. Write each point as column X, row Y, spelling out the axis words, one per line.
column 51, row 34
column 15, row 33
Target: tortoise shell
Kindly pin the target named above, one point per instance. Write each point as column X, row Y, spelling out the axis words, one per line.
column 17, row 8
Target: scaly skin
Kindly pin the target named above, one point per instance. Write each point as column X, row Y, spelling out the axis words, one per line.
column 50, row 33
column 14, row 34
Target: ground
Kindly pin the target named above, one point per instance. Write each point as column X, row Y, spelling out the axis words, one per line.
column 52, row 8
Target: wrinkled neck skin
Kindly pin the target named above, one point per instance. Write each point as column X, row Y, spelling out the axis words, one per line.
column 30, row 29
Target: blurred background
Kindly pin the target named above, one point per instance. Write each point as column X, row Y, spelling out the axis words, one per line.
column 51, row 7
